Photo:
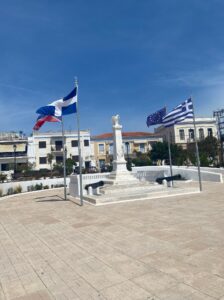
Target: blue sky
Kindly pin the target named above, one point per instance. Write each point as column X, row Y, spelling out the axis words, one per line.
column 131, row 57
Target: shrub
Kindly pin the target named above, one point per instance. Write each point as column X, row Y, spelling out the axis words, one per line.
column 18, row 189
column 3, row 177
column 1, row 193
column 46, row 187
column 31, row 188
column 10, row 191
column 38, row 186
column 58, row 185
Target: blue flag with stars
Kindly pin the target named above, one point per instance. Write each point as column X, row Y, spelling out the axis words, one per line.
column 156, row 118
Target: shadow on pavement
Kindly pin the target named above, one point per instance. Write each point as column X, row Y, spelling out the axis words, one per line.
column 54, row 198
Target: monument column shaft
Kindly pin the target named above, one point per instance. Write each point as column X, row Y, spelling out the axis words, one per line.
column 118, row 144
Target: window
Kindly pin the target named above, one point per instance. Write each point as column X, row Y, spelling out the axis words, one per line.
column 58, row 145
column 42, row 160
column 5, row 167
column 59, row 159
column 42, row 144
column 75, row 158
column 182, row 134
column 111, row 149
column 86, row 143
column 201, row 133
column 101, row 163
column 191, row 134
column 142, row 147
column 74, row 143
column 101, row 148
column 210, row 133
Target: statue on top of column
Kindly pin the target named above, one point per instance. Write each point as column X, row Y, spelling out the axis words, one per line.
column 115, row 120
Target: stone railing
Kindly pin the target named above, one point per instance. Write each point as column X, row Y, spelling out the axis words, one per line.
column 190, row 173
column 27, row 186
column 74, row 185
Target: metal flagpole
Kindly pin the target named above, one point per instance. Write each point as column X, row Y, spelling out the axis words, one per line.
column 64, row 162
column 196, row 148
column 79, row 146
column 170, row 157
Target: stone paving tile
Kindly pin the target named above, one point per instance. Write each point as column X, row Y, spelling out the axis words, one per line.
column 170, row 248
column 155, row 282
column 207, row 283
column 183, row 292
column 126, row 291
column 174, row 266
column 39, row 295
column 98, row 274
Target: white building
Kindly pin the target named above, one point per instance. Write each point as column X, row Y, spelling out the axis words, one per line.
column 183, row 133
column 43, row 143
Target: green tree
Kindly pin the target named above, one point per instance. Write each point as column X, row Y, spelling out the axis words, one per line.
column 58, row 169
column 142, row 159
column 208, row 151
column 160, row 151
column 50, row 158
column 69, row 165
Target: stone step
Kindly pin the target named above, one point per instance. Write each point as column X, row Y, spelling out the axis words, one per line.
column 128, row 185
column 131, row 189
column 104, row 199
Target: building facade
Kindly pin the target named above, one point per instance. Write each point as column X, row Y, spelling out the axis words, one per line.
column 132, row 142
column 42, row 144
column 13, row 151
column 183, row 133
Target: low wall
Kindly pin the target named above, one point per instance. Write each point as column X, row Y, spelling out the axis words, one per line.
column 74, row 185
column 153, row 172
column 148, row 173
column 25, row 185
column 213, row 170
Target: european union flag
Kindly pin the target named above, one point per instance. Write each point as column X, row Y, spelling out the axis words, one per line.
column 156, row 118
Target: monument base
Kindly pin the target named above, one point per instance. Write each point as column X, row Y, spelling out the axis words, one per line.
column 115, row 192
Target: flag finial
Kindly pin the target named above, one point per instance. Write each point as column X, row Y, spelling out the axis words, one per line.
column 76, row 80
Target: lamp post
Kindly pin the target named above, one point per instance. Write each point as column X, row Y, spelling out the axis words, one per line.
column 14, row 148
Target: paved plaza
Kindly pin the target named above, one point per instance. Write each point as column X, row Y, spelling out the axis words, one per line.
column 170, row 248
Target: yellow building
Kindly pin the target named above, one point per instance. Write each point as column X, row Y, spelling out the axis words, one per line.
column 132, row 142
column 13, row 151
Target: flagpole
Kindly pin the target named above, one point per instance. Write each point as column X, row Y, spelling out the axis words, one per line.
column 79, row 146
column 196, row 148
column 170, row 157
column 64, row 162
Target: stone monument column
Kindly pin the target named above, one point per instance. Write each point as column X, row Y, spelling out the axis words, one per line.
column 120, row 174
column 119, row 162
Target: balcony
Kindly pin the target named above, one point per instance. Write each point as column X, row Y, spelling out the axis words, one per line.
column 57, row 149
column 13, row 154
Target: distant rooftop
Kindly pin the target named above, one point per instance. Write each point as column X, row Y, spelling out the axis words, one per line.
column 135, row 134
column 11, row 136
column 59, row 133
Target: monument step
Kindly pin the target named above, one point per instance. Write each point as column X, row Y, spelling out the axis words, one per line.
column 130, row 189
column 166, row 192
column 127, row 184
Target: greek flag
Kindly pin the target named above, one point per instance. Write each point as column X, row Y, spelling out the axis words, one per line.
column 61, row 107
column 179, row 113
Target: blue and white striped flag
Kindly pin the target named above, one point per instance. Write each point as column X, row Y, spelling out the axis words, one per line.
column 61, row 107
column 179, row 113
